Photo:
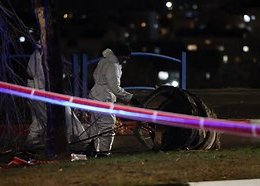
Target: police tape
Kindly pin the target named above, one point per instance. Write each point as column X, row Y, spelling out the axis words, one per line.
column 134, row 113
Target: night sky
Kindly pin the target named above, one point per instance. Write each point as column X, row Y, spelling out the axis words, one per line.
column 221, row 38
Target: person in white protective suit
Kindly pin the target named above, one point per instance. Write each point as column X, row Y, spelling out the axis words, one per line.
column 38, row 109
column 107, row 89
column 37, row 129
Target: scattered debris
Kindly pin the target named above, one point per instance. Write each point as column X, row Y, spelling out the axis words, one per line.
column 76, row 157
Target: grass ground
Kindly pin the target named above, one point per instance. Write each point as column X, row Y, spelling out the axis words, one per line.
column 147, row 168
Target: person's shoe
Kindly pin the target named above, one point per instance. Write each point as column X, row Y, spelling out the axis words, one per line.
column 102, row 154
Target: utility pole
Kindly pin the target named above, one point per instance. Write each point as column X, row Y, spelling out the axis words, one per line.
column 46, row 14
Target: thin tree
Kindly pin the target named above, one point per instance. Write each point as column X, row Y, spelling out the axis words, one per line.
column 46, row 14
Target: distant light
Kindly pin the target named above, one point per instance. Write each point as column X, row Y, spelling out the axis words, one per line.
column 253, row 17
column 169, row 15
column 207, row 75
column 143, row 24
column 189, row 14
column 249, row 28
column 157, row 50
column 162, row 75
column 221, row 48
column 175, row 83
column 191, row 25
column 132, row 25
column 245, row 49
column 180, row 7
column 225, row 59
column 30, row 30
column 192, row 47
column 126, row 34
column 156, row 26
column 83, row 16
column 195, row 6
column 70, row 15
column 207, row 41
column 228, row 26
column 22, row 39
column 247, row 18
column 163, row 31
column 241, row 25
column 237, row 59
column 169, row 4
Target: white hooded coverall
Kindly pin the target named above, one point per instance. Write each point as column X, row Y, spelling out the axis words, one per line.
column 106, row 88
column 38, row 109
column 37, row 129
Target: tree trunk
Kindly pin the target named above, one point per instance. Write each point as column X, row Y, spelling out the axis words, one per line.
column 56, row 143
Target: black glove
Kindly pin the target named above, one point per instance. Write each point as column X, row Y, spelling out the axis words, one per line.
column 135, row 102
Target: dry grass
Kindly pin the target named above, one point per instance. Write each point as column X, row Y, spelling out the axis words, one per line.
column 148, row 168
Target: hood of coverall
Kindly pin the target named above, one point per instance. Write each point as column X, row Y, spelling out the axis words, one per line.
column 108, row 53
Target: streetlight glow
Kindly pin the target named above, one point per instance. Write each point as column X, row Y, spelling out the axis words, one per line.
column 162, row 75
column 22, row 39
column 169, row 4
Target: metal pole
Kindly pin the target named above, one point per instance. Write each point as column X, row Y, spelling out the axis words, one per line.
column 84, row 76
column 183, row 70
column 76, row 75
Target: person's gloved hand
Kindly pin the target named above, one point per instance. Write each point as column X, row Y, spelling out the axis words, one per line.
column 135, row 102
